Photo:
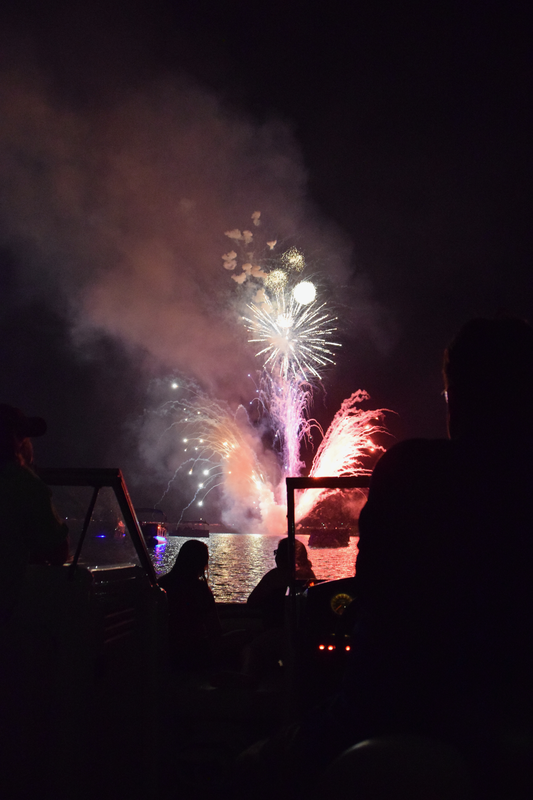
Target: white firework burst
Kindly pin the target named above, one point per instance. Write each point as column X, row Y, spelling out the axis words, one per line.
column 296, row 337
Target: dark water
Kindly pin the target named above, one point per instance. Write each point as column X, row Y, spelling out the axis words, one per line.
column 237, row 562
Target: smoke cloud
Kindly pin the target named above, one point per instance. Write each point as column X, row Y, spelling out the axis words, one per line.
column 122, row 210
column 117, row 212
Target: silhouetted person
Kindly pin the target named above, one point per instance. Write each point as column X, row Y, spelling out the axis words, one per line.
column 444, row 646
column 268, row 597
column 30, row 533
column 30, row 530
column 269, row 594
column 194, row 626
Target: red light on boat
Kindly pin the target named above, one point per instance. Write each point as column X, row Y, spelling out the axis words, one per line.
column 331, row 647
column 321, row 646
column 347, row 648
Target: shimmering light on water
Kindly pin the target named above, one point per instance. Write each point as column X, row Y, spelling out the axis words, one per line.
column 237, row 562
column 330, row 563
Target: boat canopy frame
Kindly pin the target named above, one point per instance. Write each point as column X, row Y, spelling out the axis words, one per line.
column 99, row 478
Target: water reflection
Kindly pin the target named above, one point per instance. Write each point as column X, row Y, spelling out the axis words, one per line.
column 330, row 563
column 237, row 562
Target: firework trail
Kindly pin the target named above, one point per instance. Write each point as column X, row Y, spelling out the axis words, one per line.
column 288, row 403
column 218, row 449
column 344, row 448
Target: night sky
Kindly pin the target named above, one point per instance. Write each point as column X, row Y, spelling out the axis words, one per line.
column 391, row 141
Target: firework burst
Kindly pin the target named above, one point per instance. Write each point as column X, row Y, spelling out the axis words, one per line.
column 215, row 449
column 296, row 337
column 293, row 259
column 294, row 333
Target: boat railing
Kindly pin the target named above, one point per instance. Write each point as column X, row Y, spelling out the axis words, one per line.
column 296, row 601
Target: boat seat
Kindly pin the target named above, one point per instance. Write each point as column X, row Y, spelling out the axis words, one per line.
column 397, row 768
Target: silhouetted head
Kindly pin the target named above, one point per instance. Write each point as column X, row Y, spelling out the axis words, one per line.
column 300, row 552
column 15, row 431
column 488, row 377
column 192, row 560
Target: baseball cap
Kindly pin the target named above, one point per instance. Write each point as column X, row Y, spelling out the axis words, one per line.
column 14, row 419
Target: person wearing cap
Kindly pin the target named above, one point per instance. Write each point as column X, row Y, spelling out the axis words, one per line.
column 30, row 529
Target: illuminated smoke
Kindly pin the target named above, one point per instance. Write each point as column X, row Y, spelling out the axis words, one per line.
column 113, row 210
column 218, row 449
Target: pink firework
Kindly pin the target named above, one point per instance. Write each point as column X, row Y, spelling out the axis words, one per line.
column 294, row 331
column 344, row 449
column 288, row 403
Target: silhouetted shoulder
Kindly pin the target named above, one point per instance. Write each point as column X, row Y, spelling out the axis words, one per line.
column 272, row 584
column 411, row 454
column 409, row 465
column 409, row 513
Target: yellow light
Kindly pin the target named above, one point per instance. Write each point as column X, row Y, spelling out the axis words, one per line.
column 293, row 259
column 276, row 279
